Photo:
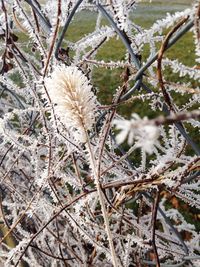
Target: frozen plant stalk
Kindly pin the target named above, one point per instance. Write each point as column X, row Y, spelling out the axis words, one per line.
column 75, row 104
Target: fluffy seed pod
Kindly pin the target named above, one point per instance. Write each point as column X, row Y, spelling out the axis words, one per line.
column 71, row 92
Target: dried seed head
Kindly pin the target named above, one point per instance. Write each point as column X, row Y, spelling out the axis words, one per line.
column 75, row 102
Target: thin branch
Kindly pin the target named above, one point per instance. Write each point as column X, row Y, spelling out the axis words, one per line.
column 154, row 217
column 159, row 64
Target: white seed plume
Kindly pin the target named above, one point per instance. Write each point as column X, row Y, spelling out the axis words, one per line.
column 138, row 130
column 72, row 93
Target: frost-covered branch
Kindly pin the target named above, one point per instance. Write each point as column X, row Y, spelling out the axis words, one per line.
column 81, row 185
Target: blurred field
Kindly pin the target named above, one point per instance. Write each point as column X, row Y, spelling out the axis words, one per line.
column 145, row 15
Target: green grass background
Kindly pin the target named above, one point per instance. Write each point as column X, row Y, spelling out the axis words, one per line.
column 145, row 15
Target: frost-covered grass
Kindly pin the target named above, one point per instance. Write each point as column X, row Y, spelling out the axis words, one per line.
column 68, row 191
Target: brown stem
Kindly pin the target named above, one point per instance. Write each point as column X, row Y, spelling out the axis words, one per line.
column 159, row 64
column 154, row 216
column 54, row 38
